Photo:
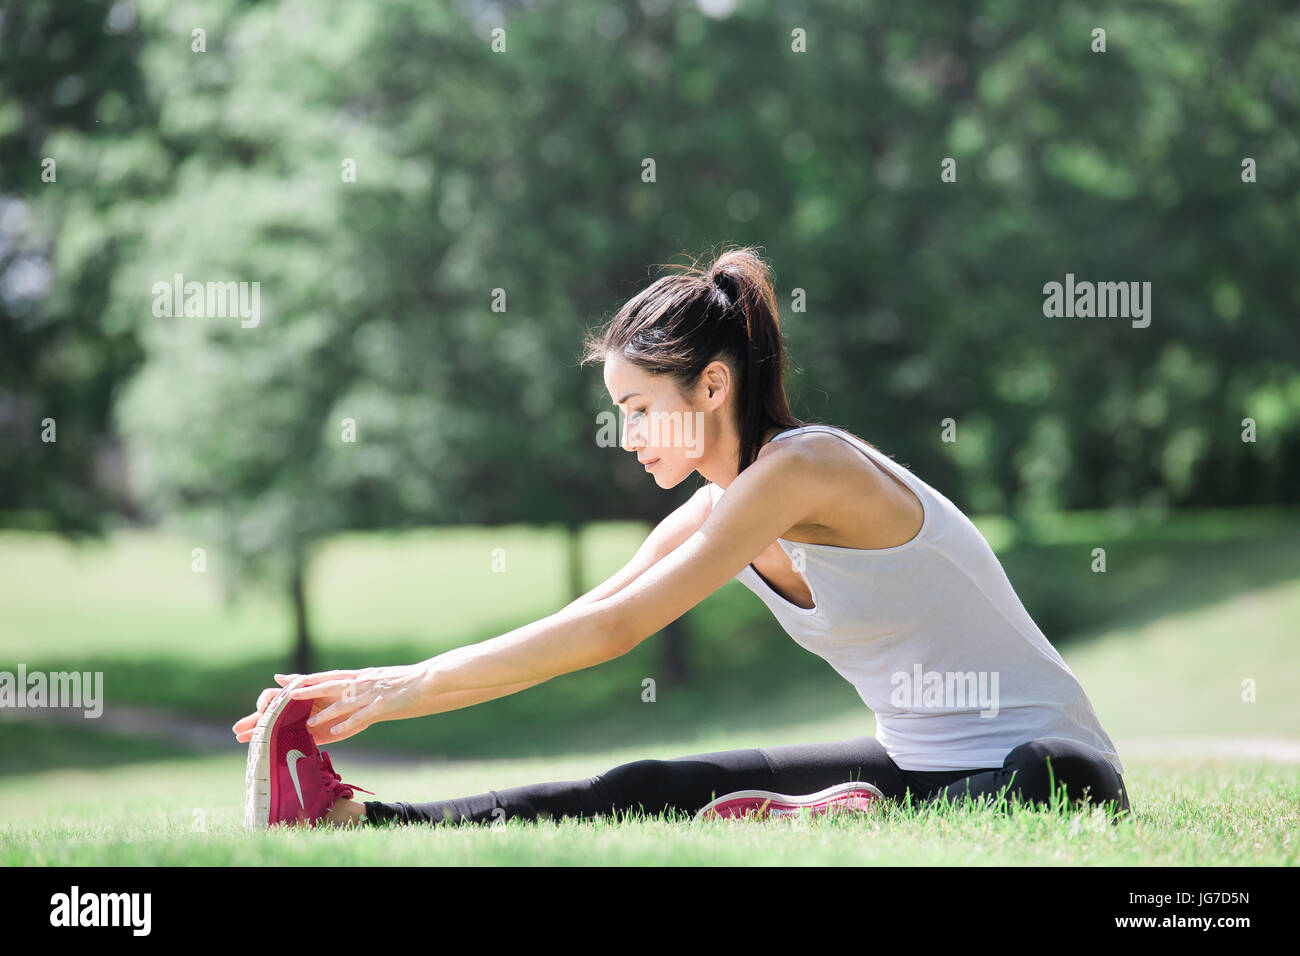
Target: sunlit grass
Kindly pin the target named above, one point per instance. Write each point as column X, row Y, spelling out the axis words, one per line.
column 188, row 812
column 78, row 796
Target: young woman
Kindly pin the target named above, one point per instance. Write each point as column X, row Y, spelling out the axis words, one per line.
column 860, row 561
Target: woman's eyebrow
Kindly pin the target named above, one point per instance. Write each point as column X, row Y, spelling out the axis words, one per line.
column 626, row 397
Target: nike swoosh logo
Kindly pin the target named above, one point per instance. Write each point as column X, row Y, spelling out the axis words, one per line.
column 292, row 758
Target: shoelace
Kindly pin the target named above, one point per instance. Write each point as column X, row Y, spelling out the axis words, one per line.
column 334, row 782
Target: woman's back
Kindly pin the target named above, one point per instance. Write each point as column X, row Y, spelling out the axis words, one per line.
column 934, row 638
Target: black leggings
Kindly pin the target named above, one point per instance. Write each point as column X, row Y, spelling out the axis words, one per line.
column 686, row 784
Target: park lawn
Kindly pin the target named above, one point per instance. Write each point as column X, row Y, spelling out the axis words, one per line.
column 178, row 811
column 135, row 595
column 162, row 636
column 77, row 797
column 81, row 797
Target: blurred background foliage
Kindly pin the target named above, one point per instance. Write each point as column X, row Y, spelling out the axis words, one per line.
column 521, row 171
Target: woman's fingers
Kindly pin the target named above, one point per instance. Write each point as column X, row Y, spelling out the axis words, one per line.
column 245, row 725
column 264, row 699
column 312, row 679
column 330, row 715
column 352, row 724
column 328, row 688
column 334, row 694
column 341, row 730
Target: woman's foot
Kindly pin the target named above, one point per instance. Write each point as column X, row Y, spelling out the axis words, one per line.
column 289, row 780
column 346, row 813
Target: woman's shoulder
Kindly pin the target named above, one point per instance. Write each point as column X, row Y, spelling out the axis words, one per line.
column 845, row 462
column 827, row 444
column 827, row 453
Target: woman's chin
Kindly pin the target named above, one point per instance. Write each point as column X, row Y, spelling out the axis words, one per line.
column 666, row 480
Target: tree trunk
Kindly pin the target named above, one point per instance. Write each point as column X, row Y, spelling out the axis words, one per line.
column 672, row 654
column 302, row 656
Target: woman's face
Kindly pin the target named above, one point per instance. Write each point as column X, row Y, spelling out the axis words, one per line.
column 666, row 431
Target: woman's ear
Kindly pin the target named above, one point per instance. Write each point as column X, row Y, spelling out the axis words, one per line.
column 716, row 378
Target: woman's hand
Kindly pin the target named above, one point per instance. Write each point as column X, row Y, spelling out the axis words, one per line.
column 243, row 728
column 364, row 697
column 347, row 702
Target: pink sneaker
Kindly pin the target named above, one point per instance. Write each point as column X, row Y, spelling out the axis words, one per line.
column 288, row 779
column 764, row 804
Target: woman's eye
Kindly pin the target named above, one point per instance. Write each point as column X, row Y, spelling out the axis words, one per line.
column 639, row 411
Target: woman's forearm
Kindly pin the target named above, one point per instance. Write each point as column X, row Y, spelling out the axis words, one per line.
column 574, row 638
column 468, row 698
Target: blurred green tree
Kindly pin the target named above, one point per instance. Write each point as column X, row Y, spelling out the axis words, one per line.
column 434, row 219
column 75, row 140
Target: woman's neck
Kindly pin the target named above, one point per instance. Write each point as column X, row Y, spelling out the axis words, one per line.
column 767, row 437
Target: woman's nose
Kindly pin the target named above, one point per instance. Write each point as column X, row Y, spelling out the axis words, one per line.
column 633, row 438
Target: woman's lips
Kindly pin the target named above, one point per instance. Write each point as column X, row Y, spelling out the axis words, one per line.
column 650, row 464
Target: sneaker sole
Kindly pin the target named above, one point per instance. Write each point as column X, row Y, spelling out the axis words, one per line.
column 257, row 776
column 851, row 796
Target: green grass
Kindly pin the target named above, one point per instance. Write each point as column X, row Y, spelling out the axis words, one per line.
column 1153, row 567
column 175, row 812
column 1196, row 606
column 1183, row 673
column 134, row 595
column 163, row 636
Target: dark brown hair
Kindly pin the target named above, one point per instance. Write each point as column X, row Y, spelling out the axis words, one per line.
column 683, row 321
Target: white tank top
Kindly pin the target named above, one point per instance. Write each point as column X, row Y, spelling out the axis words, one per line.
column 934, row 639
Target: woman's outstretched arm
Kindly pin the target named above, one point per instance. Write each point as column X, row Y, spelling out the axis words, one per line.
column 675, row 528
column 766, row 500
